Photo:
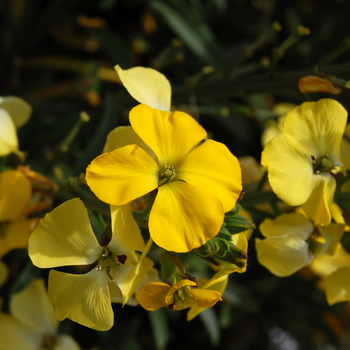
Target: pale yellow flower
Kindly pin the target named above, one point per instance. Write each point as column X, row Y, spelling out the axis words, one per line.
column 32, row 324
column 301, row 161
column 65, row 238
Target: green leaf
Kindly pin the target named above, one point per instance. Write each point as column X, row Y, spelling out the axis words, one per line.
column 159, row 323
column 192, row 29
column 238, row 224
column 211, row 323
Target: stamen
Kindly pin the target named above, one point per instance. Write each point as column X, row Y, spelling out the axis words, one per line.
column 167, row 174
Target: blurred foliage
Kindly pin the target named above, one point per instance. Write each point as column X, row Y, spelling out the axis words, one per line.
column 220, row 56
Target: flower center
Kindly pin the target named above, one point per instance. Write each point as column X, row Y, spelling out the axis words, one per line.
column 182, row 298
column 108, row 259
column 322, row 165
column 167, row 174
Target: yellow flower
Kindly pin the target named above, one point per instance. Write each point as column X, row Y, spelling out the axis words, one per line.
column 275, row 127
column 181, row 295
column 65, row 238
column 217, row 283
column 147, row 86
column 196, row 186
column 337, row 286
column 301, row 160
column 292, row 241
column 14, row 112
column 32, row 323
column 15, row 193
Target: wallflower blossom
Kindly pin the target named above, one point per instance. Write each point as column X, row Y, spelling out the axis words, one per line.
column 302, row 159
column 291, row 242
column 14, row 112
column 179, row 296
column 195, row 186
column 15, row 193
column 32, row 324
column 65, row 238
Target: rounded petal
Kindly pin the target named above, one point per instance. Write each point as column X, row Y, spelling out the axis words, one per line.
column 290, row 169
column 170, row 136
column 126, row 233
column 15, row 335
column 147, row 86
column 66, row 342
column 338, row 286
column 213, row 168
column 205, row 298
column 151, row 296
column 129, row 278
column 122, row 136
column 122, row 175
column 33, row 308
column 283, row 255
column 17, row 108
column 82, row 298
column 64, row 237
column 184, row 217
column 317, row 207
column 15, row 192
column 318, row 127
column 8, row 134
column 292, row 224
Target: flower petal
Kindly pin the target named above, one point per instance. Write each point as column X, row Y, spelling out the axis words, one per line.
column 338, row 286
column 205, row 298
column 170, row 136
column 214, row 284
column 317, row 207
column 122, row 175
column 129, row 278
column 14, row 335
column 8, row 134
column 283, row 255
column 126, row 233
column 64, row 237
column 332, row 233
column 147, row 86
column 122, row 136
column 184, row 217
column 17, row 108
column 82, row 298
column 151, row 296
column 33, row 308
column 292, row 223
column 15, row 192
column 66, row 342
column 318, row 127
column 290, row 169
column 213, row 168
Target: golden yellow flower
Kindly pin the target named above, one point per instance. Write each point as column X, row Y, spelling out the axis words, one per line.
column 195, row 186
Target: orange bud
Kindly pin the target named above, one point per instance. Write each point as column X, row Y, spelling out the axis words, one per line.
column 313, row 83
